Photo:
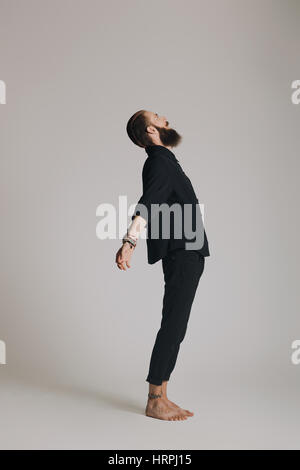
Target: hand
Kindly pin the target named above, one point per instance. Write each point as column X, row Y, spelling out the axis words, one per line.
column 123, row 256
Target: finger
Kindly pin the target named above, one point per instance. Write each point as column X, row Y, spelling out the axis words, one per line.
column 119, row 264
column 122, row 266
column 128, row 264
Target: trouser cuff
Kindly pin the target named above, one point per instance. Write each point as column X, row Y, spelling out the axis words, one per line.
column 154, row 381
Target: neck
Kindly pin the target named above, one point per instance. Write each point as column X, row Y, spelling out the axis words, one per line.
column 160, row 143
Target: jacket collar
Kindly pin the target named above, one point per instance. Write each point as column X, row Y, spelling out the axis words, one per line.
column 154, row 149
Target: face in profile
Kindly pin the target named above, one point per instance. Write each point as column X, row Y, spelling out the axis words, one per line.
column 168, row 136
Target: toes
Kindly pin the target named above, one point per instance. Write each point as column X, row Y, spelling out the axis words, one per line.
column 177, row 418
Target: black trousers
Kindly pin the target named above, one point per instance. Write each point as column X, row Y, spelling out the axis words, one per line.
column 182, row 271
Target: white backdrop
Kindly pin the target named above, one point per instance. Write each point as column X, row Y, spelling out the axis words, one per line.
column 221, row 72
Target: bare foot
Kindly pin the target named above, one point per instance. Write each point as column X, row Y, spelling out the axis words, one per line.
column 173, row 405
column 160, row 408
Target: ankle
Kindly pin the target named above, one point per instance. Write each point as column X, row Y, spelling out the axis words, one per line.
column 155, row 396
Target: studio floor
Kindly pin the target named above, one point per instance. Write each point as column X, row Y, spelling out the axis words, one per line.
column 231, row 416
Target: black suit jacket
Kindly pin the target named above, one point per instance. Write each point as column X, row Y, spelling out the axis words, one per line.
column 164, row 181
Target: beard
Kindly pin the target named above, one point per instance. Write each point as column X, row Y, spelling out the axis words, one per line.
column 169, row 137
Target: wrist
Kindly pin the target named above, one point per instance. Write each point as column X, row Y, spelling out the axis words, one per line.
column 131, row 245
column 130, row 240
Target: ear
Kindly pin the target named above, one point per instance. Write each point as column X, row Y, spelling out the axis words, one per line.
column 151, row 130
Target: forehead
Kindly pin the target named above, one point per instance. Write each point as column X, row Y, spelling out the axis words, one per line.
column 150, row 114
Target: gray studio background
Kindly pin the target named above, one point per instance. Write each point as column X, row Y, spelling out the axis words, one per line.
column 221, row 72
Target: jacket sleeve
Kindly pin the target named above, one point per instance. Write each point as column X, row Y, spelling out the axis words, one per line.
column 156, row 187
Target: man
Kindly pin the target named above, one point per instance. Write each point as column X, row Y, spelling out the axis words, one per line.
column 165, row 184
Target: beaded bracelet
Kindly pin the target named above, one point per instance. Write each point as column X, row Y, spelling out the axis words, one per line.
column 127, row 239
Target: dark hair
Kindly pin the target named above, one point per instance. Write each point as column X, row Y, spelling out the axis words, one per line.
column 136, row 129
